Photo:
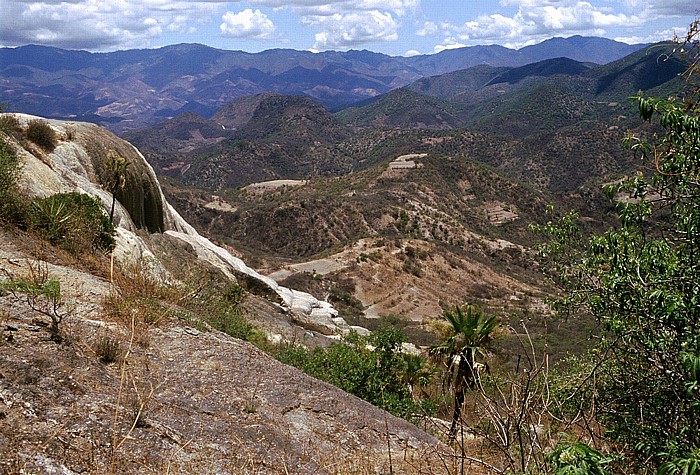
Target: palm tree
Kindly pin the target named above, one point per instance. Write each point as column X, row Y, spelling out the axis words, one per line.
column 469, row 331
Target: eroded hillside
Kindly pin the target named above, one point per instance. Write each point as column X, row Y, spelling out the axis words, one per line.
column 135, row 379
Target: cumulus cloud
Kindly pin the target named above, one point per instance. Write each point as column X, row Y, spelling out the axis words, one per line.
column 662, row 35
column 537, row 20
column 667, row 8
column 111, row 24
column 324, row 7
column 449, row 43
column 335, row 24
column 429, row 28
column 247, row 24
column 98, row 24
column 353, row 29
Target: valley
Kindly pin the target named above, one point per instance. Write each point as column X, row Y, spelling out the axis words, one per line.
column 342, row 213
column 419, row 199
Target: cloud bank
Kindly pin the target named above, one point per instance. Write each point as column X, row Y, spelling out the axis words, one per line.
column 402, row 25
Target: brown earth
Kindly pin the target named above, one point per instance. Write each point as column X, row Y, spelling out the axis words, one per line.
column 178, row 400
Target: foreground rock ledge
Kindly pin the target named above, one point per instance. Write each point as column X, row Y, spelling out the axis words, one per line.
column 205, row 403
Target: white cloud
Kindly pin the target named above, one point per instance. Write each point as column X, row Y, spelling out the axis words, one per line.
column 655, row 37
column 411, row 52
column 344, row 31
column 537, row 20
column 247, row 24
column 429, row 28
column 98, row 24
column 327, row 8
column 449, row 43
column 664, row 8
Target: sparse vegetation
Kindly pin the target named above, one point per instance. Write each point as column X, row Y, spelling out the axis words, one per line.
column 41, row 133
column 115, row 179
column 73, row 221
column 41, row 293
column 13, row 206
column 630, row 405
column 108, row 348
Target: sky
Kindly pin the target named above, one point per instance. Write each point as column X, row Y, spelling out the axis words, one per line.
column 394, row 27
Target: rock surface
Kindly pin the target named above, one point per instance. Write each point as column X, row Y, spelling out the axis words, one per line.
column 177, row 399
column 205, row 403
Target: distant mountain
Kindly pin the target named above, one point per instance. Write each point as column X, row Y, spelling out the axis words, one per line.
column 579, row 48
column 296, row 119
column 585, row 49
column 180, row 134
column 525, row 100
column 645, row 70
column 403, row 108
column 535, row 110
column 541, row 69
column 239, row 111
column 513, row 98
column 262, row 137
column 135, row 88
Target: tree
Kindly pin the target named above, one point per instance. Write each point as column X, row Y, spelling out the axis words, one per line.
column 468, row 332
column 115, row 177
column 641, row 280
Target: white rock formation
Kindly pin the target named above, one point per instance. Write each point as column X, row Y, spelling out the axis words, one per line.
column 70, row 167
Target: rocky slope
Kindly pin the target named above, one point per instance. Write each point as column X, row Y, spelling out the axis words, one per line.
column 178, row 399
column 77, row 164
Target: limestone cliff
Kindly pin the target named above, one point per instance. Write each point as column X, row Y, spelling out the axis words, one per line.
column 78, row 164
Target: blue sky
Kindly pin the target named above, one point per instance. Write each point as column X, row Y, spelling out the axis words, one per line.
column 395, row 27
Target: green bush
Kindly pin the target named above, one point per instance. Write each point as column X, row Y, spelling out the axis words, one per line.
column 220, row 307
column 371, row 368
column 13, row 206
column 73, row 221
column 640, row 280
column 573, row 457
column 41, row 134
column 42, row 294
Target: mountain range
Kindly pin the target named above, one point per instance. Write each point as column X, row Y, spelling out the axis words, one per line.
column 532, row 110
column 132, row 88
column 434, row 175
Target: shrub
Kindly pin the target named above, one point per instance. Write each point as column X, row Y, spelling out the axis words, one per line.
column 108, row 349
column 640, row 280
column 572, row 457
column 74, row 222
column 371, row 368
column 13, row 206
column 41, row 293
column 41, row 134
column 224, row 312
column 9, row 124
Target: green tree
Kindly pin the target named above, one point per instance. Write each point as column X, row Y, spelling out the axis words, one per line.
column 469, row 332
column 641, row 280
column 416, row 372
column 114, row 179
